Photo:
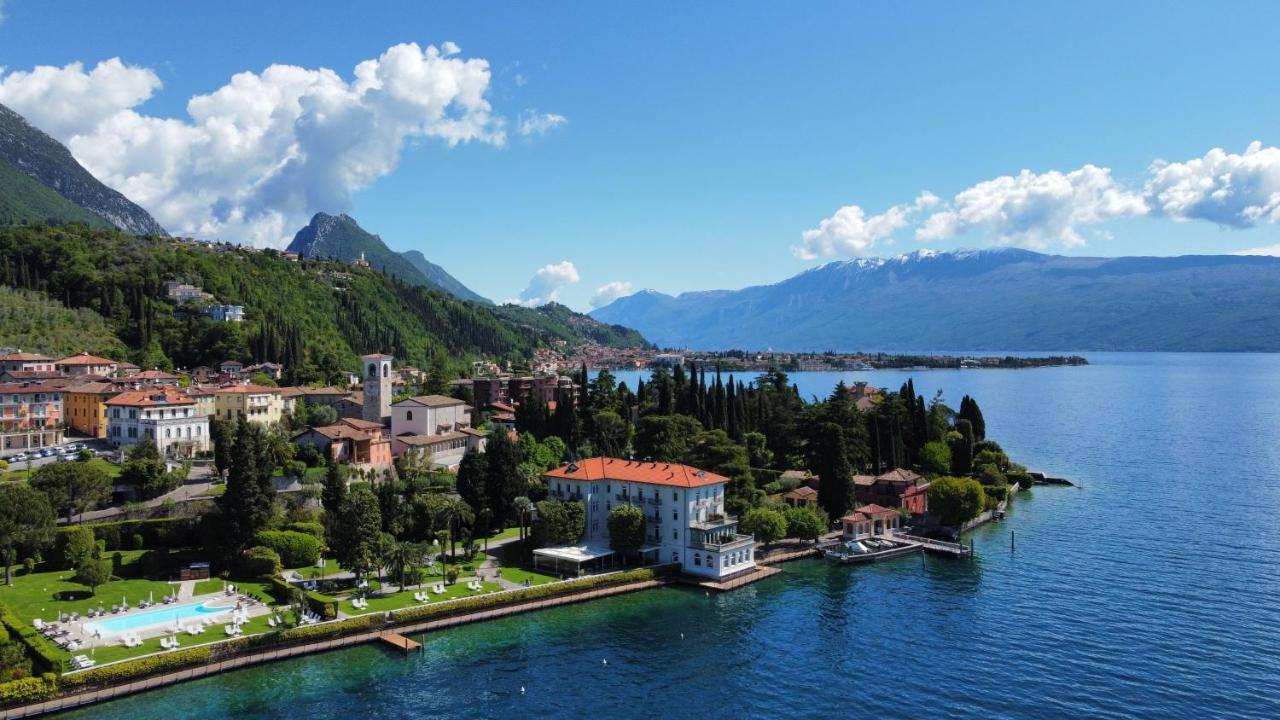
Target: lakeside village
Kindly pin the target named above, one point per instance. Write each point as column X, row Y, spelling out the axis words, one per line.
column 155, row 521
column 615, row 358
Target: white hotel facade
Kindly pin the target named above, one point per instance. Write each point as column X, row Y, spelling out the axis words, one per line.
column 685, row 520
column 165, row 415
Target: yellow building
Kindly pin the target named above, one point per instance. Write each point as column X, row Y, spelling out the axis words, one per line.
column 84, row 407
column 257, row 403
column 206, row 400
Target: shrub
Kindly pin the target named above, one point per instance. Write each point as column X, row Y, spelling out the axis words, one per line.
column 149, row 665
column 296, row 549
column 309, row 455
column 295, row 468
column 29, row 565
column 326, row 606
column 27, row 690
column 314, row 529
column 43, row 654
column 261, row 561
column 73, row 546
column 136, row 542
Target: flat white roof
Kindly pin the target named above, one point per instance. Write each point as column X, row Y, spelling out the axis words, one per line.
column 575, row 553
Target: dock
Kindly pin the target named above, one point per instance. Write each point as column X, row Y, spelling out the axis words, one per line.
column 400, row 642
column 938, row 547
column 755, row 574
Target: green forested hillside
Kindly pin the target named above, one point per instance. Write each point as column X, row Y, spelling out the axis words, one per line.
column 559, row 322
column 314, row 316
column 23, row 201
column 33, row 321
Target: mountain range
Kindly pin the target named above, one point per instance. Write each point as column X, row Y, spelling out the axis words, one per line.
column 999, row 299
column 41, row 183
column 342, row 238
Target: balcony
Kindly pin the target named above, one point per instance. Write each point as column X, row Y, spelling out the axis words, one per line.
column 730, row 542
column 714, row 522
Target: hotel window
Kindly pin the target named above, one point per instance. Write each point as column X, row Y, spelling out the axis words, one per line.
column 675, row 496
column 697, row 559
column 675, row 514
column 675, row 534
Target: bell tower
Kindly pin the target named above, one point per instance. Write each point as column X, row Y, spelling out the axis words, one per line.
column 376, row 377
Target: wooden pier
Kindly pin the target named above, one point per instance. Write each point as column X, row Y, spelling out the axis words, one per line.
column 938, row 547
column 400, row 642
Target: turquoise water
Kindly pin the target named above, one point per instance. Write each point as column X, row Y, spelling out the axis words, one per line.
column 133, row 620
column 1148, row 593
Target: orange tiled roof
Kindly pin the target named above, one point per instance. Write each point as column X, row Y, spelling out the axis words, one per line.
column 152, row 396
column 24, row 357
column 651, row 473
column 85, row 358
column 248, row 388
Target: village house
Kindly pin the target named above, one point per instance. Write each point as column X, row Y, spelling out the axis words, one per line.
column 230, row 367
column 256, row 403
column 869, row 521
column 443, row 451
column 275, row 371
column 225, row 313
column 30, row 417
column 85, row 407
column 802, row 496
column 888, row 489
column 685, row 520
column 434, row 429
column 360, row 443
column 162, row 414
column 86, row 364
column 29, row 375
column 127, row 369
column 155, row 377
column 26, row 362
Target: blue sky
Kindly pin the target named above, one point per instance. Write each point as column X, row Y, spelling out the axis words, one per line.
column 683, row 148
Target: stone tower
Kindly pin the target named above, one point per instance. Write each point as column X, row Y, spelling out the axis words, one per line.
column 376, row 378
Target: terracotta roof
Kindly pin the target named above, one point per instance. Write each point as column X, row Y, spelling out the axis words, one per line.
column 151, row 396
column 425, row 440
column 361, row 424
column 802, row 492
column 899, row 474
column 651, row 473
column 32, row 374
column 24, row 388
column 798, row 474
column 92, row 388
column 501, row 407
column 248, row 389
column 85, row 358
column 864, row 480
column 339, row 431
column 874, row 510
column 432, row 401
column 20, row 356
column 154, row 375
column 123, row 365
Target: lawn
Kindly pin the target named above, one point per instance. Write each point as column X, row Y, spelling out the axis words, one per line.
column 45, row 594
column 511, row 532
column 400, row 600
column 19, row 471
column 520, row 575
column 212, row 585
column 309, row 572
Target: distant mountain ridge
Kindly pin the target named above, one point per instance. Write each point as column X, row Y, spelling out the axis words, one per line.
column 1001, row 299
column 26, row 151
column 341, row 237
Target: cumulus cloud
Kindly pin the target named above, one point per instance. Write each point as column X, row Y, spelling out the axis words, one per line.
column 257, row 156
column 1235, row 190
column 850, row 231
column 545, row 285
column 609, row 292
column 533, row 122
column 1035, row 210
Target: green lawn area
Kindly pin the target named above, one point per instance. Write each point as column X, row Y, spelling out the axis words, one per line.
column 19, row 471
column 45, row 594
column 519, row 575
column 212, row 585
column 397, row 601
column 331, row 567
column 511, row 532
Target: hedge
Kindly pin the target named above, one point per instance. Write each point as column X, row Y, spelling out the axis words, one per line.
column 149, row 665
column 326, row 606
column 46, row 657
column 296, row 549
column 28, row 690
column 170, row 533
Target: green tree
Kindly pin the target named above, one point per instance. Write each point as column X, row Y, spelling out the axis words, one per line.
column 222, row 432
column 249, row 501
column 559, row 523
column 93, row 572
column 665, row 438
column 935, row 458
column 25, row 520
column 835, row 475
column 961, row 443
column 75, row 546
column 503, row 483
column 472, row 474
column 144, row 469
column 758, row 453
column 626, row 529
column 401, row 559
column 955, row 500
column 610, row 434
column 768, row 526
column 332, row 496
column 523, row 508
column 72, row 487
column 805, row 523
column 359, row 531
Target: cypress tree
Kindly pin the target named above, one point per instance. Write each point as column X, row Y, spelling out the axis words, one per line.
column 835, row 475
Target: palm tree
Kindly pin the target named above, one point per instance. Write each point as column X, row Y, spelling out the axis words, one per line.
column 400, row 558
column 454, row 512
column 524, row 508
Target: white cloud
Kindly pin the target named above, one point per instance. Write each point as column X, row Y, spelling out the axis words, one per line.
column 850, row 231
column 256, row 157
column 546, row 284
column 1236, row 190
column 533, row 122
column 1272, row 250
column 1035, row 210
column 609, row 292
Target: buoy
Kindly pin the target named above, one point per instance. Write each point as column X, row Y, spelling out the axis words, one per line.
column 521, row 689
column 681, row 636
column 604, row 662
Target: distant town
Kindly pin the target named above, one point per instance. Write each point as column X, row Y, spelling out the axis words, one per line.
column 596, row 356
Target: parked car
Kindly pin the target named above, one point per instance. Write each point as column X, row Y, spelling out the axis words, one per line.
column 20, row 457
column 48, row 452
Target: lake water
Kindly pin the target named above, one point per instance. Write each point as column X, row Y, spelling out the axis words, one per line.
column 1150, row 592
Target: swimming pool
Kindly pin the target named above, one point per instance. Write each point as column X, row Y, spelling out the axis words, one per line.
column 133, row 621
